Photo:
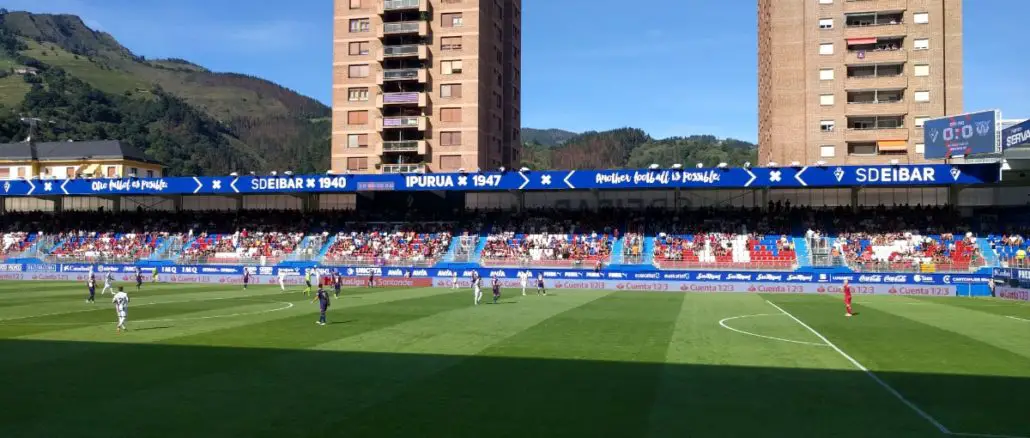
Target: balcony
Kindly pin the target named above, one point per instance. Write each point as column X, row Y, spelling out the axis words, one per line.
column 875, row 56
column 874, row 5
column 403, row 5
column 874, row 135
column 876, row 82
column 403, row 51
column 403, row 28
column 874, row 31
column 403, row 168
column 403, row 146
column 404, row 122
column 895, row 107
column 402, row 74
column 406, row 98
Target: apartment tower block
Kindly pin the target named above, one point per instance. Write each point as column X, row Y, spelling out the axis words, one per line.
column 426, row 85
column 852, row 81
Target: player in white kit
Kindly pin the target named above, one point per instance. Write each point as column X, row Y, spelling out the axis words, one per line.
column 121, row 306
column 524, row 280
column 282, row 280
column 108, row 283
column 454, row 280
column 477, row 291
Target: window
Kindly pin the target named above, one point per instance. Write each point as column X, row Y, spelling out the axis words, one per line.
column 150, row 174
column 826, row 2
column 921, row 70
column 920, row 120
column 357, row 140
column 826, row 99
column 358, row 71
column 450, row 114
column 450, row 90
column 110, row 172
column 861, row 148
column 826, row 125
column 451, row 67
column 827, row 151
column 826, row 74
column 5, row 173
column 359, row 48
column 69, row 172
column 826, row 48
column 359, row 25
column 357, row 163
column 921, row 44
column 451, row 19
column 450, row 43
column 357, row 117
column 920, row 148
column 450, row 138
column 921, row 17
column 922, row 96
column 357, row 94
column 450, row 162
column 826, row 23
column 134, row 171
column 355, row 4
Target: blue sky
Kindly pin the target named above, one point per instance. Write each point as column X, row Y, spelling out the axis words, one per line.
column 572, row 51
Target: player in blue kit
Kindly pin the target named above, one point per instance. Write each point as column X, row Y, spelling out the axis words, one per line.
column 92, row 285
column 337, row 283
column 540, row 290
column 496, row 285
column 139, row 279
column 246, row 278
column 323, row 304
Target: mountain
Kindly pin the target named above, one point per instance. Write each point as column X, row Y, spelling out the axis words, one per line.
column 87, row 86
column 546, row 137
column 634, row 148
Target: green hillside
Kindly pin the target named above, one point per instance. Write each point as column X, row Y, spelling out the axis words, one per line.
column 198, row 122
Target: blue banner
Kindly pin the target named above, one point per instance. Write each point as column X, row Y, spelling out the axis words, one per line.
column 766, row 177
column 1015, row 135
column 963, row 134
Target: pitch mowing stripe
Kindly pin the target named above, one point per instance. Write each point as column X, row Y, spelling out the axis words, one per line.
column 949, row 376
column 993, row 306
column 984, row 326
column 167, row 373
column 452, row 336
column 713, row 378
column 589, row 371
column 100, row 339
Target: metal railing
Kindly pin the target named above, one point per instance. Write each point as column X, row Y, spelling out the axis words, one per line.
column 400, row 146
column 229, row 260
column 374, row 261
column 400, row 74
column 881, row 266
column 400, row 97
column 404, row 50
column 403, row 27
column 401, row 122
column 85, row 259
column 754, row 265
column 393, row 5
column 404, row 168
column 466, row 248
column 530, row 263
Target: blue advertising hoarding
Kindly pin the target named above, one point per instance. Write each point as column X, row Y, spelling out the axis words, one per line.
column 1016, row 135
column 738, row 177
column 963, row 134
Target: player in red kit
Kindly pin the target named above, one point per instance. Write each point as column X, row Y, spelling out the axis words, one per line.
column 847, row 297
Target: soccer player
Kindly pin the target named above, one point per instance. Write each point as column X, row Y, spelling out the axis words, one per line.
column 246, row 278
column 108, row 284
column 540, row 284
column 153, row 276
column 282, row 280
column 454, row 280
column 139, row 279
column 337, row 283
column 847, row 298
column 371, row 278
column 477, row 292
column 92, row 285
column 524, row 280
column 307, row 281
column 323, row 304
column 121, row 306
column 496, row 285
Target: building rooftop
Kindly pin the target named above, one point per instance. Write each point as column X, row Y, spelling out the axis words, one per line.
column 72, row 151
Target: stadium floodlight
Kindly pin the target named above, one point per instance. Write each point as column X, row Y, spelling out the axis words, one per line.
column 795, row 164
column 654, row 166
column 502, row 169
column 700, row 165
column 747, row 164
column 330, row 172
column 773, row 164
column 894, row 161
column 820, row 163
column 288, row 173
column 252, row 173
column 274, row 173
column 723, row 165
column 234, row 174
column 524, row 169
column 461, row 170
column 677, row 166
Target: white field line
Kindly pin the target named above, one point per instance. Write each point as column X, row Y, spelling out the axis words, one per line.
column 193, row 318
column 1017, row 318
column 889, row 389
column 722, row 322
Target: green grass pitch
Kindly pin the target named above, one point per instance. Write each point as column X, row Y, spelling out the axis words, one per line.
column 217, row 361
